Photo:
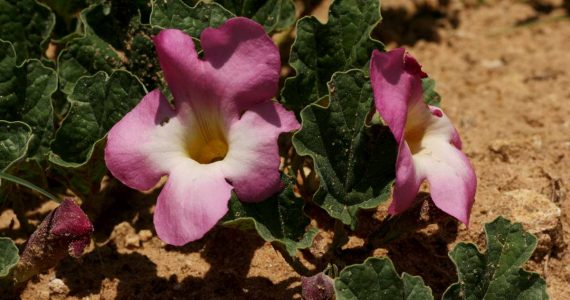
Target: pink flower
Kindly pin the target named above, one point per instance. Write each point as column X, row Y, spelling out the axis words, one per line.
column 221, row 135
column 429, row 146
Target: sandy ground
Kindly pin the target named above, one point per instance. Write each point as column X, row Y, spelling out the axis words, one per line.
column 502, row 69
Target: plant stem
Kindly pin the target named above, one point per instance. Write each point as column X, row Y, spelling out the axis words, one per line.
column 29, row 185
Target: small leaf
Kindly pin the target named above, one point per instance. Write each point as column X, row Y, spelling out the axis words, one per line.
column 25, row 95
column 355, row 163
column 376, row 279
column 8, row 256
column 274, row 15
column 321, row 49
column 497, row 274
column 191, row 19
column 27, row 24
column 431, row 97
column 97, row 103
column 279, row 219
column 14, row 140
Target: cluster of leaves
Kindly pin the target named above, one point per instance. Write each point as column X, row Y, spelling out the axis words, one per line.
column 69, row 70
column 495, row 274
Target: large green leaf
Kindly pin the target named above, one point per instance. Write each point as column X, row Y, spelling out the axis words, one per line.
column 25, row 95
column 355, row 162
column 274, row 15
column 14, row 140
column 279, row 219
column 321, row 49
column 97, row 103
column 191, row 19
column 27, row 24
column 86, row 55
column 376, row 279
column 8, row 256
column 497, row 274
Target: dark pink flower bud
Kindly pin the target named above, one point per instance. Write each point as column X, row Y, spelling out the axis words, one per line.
column 317, row 287
column 65, row 230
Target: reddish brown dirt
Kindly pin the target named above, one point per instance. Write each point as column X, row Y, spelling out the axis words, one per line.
column 502, row 68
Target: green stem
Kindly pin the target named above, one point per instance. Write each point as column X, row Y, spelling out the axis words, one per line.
column 29, row 185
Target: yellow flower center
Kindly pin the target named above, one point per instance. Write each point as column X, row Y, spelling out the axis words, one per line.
column 213, row 151
column 206, row 142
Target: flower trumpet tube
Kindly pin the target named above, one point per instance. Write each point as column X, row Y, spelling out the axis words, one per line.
column 220, row 136
column 429, row 147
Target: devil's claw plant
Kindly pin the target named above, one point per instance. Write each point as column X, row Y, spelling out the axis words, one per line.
column 245, row 114
column 64, row 231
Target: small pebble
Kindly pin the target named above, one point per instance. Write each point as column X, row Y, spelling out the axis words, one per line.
column 145, row 235
column 57, row 286
column 132, row 241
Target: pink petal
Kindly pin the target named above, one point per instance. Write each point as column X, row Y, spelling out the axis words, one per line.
column 191, row 80
column 450, row 175
column 246, row 60
column 407, row 182
column 396, row 82
column 125, row 155
column 240, row 68
column 252, row 163
column 193, row 200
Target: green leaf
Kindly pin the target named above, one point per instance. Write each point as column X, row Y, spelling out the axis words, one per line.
column 66, row 8
column 83, row 180
column 86, row 55
column 66, row 16
column 14, row 140
column 25, row 95
column 431, row 97
column 376, row 279
column 28, row 25
column 191, row 19
column 279, row 219
column 321, row 49
column 97, row 103
column 122, row 28
column 497, row 274
column 274, row 15
column 355, row 162
column 8, row 256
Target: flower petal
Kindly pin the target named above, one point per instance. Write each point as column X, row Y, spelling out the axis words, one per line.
column 397, row 86
column 450, row 175
column 252, row 163
column 126, row 154
column 246, row 60
column 193, row 200
column 240, row 68
column 190, row 79
column 407, row 182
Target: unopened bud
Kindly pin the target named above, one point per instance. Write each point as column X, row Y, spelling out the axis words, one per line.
column 65, row 230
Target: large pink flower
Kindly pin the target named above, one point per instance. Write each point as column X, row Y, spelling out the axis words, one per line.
column 429, row 146
column 221, row 135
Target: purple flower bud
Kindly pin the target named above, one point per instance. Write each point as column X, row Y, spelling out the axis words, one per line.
column 65, row 230
column 317, row 287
